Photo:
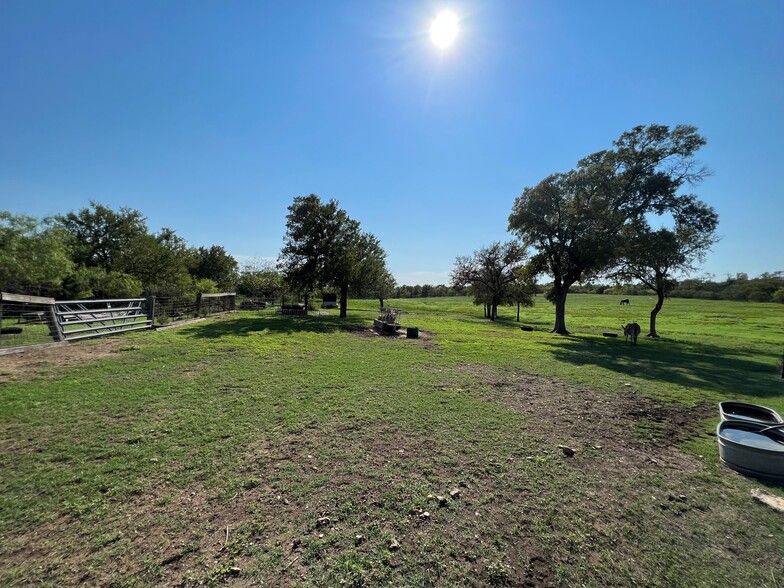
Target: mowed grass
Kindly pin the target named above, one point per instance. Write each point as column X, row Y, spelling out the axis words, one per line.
column 708, row 349
column 268, row 450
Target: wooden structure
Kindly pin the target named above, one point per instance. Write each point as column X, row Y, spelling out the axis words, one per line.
column 30, row 310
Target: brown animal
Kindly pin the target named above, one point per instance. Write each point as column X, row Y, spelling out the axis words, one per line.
column 625, row 301
column 631, row 330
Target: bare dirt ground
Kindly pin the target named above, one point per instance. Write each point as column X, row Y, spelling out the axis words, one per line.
column 48, row 361
column 425, row 338
column 642, row 432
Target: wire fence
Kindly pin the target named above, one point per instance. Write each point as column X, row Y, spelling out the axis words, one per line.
column 24, row 323
column 167, row 310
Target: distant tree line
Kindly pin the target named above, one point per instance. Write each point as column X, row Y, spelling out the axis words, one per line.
column 424, row 291
column 97, row 252
column 768, row 287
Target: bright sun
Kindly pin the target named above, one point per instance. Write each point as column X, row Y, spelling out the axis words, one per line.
column 444, row 29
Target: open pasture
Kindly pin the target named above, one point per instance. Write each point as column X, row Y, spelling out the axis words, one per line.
column 289, row 451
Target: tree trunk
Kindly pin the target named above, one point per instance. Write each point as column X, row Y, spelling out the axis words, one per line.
column 518, row 312
column 659, row 302
column 493, row 311
column 560, row 309
column 381, row 302
column 343, row 301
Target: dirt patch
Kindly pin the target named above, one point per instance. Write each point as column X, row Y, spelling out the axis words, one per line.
column 626, row 447
column 425, row 338
column 639, row 433
column 48, row 361
column 583, row 412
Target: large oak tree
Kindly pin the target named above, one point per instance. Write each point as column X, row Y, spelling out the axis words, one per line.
column 574, row 220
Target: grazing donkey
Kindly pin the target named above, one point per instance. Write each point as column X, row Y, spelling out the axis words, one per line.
column 625, row 301
column 631, row 330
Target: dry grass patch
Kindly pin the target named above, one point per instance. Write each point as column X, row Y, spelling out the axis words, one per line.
column 48, row 362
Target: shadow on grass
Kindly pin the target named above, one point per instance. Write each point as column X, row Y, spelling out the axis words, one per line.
column 540, row 325
column 245, row 326
column 703, row 366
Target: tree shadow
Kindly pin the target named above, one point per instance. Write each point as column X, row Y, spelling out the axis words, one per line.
column 545, row 325
column 274, row 324
column 704, row 366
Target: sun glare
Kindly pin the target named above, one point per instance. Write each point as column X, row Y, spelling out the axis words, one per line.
column 444, row 29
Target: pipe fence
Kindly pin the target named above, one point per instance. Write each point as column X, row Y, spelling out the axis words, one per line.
column 35, row 320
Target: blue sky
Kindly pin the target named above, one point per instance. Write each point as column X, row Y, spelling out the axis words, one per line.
column 210, row 116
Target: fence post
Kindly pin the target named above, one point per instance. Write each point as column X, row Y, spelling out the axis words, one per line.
column 55, row 329
column 198, row 304
column 151, row 309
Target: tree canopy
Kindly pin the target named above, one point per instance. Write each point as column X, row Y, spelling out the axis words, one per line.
column 656, row 257
column 99, row 234
column 34, row 254
column 100, row 252
column 324, row 247
column 260, row 279
column 213, row 263
column 574, row 220
column 492, row 272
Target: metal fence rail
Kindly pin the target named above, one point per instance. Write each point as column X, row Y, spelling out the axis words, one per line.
column 34, row 320
column 82, row 319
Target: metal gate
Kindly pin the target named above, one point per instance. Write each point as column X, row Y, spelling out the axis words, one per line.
column 82, row 319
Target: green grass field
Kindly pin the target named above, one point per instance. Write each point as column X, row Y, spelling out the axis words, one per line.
column 283, row 451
